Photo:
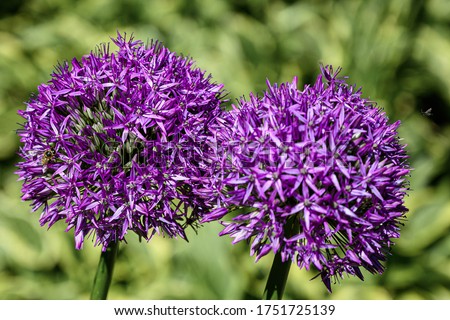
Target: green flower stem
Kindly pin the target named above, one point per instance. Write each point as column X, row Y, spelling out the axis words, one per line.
column 276, row 283
column 277, row 279
column 104, row 272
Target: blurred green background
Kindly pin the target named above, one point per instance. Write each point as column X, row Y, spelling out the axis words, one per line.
column 397, row 50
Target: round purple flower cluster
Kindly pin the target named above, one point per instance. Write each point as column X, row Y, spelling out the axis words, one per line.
column 116, row 142
column 317, row 175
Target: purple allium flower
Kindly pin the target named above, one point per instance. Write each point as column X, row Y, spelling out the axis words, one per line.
column 117, row 142
column 318, row 175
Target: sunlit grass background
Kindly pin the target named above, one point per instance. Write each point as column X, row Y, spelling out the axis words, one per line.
column 397, row 50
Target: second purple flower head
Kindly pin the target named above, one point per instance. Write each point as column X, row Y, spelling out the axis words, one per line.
column 318, row 176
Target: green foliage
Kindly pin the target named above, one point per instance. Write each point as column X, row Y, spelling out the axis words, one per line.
column 397, row 50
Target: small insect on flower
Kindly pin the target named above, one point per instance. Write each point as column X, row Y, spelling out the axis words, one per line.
column 48, row 156
column 366, row 204
column 427, row 113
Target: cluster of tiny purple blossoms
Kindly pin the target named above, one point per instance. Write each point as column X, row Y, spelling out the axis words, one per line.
column 318, row 175
column 138, row 140
column 115, row 142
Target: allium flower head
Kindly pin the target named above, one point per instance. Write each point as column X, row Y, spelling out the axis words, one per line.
column 320, row 175
column 116, row 141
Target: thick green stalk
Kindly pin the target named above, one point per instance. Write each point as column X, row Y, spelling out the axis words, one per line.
column 104, row 272
column 277, row 279
column 276, row 283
